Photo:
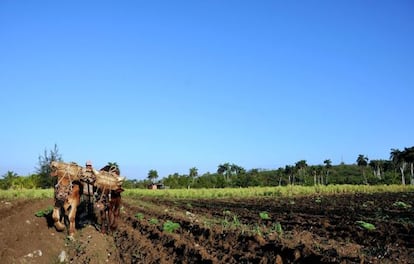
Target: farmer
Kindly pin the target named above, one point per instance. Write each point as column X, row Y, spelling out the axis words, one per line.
column 88, row 191
column 88, row 165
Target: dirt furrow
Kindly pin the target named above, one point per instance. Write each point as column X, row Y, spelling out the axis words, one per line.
column 311, row 230
column 179, row 246
column 213, row 244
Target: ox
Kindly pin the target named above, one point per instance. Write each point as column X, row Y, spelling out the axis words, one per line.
column 108, row 204
column 67, row 194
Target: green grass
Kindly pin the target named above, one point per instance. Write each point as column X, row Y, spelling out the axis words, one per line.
column 284, row 191
column 26, row 193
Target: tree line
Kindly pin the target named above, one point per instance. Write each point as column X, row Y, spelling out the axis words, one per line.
column 398, row 169
column 40, row 179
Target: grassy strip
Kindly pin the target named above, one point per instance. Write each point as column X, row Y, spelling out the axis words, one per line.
column 279, row 191
column 282, row 191
column 26, row 193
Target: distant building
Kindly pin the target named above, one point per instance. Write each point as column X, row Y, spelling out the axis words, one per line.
column 156, row 186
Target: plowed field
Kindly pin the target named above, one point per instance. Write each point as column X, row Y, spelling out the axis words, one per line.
column 357, row 228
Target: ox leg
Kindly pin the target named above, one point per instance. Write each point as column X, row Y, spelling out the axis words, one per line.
column 71, row 218
column 104, row 218
column 59, row 225
column 74, row 202
column 113, row 215
column 111, row 220
column 100, row 215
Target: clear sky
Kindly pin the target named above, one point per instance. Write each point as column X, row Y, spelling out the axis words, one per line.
column 170, row 85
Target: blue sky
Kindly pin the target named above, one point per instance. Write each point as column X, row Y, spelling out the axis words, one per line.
column 170, row 85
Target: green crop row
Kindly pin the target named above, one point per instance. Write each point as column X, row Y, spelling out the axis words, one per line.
column 26, row 193
column 282, row 191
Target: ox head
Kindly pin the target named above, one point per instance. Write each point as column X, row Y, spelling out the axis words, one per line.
column 53, row 168
column 63, row 189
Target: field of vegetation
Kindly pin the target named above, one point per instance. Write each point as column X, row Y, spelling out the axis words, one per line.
column 399, row 169
column 291, row 224
column 257, row 192
column 251, row 192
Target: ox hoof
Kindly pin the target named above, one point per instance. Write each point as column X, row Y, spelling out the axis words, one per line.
column 59, row 226
column 70, row 237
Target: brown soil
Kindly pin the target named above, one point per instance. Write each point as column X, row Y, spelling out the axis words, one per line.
column 318, row 229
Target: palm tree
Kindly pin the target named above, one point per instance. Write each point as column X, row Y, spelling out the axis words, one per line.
column 280, row 174
column 301, row 168
column 409, row 158
column 328, row 166
column 362, row 162
column 317, row 174
column 236, row 169
column 291, row 175
column 225, row 169
column 8, row 179
column 376, row 166
column 193, row 173
column 397, row 158
column 152, row 175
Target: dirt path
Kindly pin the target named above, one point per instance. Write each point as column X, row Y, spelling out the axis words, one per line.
column 26, row 238
column 298, row 230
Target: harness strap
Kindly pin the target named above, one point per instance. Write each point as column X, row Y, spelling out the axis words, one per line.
column 66, row 174
column 61, row 178
column 102, row 194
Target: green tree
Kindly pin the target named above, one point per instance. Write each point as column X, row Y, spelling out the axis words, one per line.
column 236, row 169
column 225, row 170
column 289, row 170
column 152, row 175
column 409, row 158
column 193, row 173
column 18, row 183
column 130, row 184
column 377, row 167
column 362, row 162
column 228, row 170
column 300, row 167
column 328, row 166
column 32, row 181
column 280, row 173
column 45, row 181
column 398, row 159
column 317, row 174
column 8, row 179
column 207, row 180
column 173, row 181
